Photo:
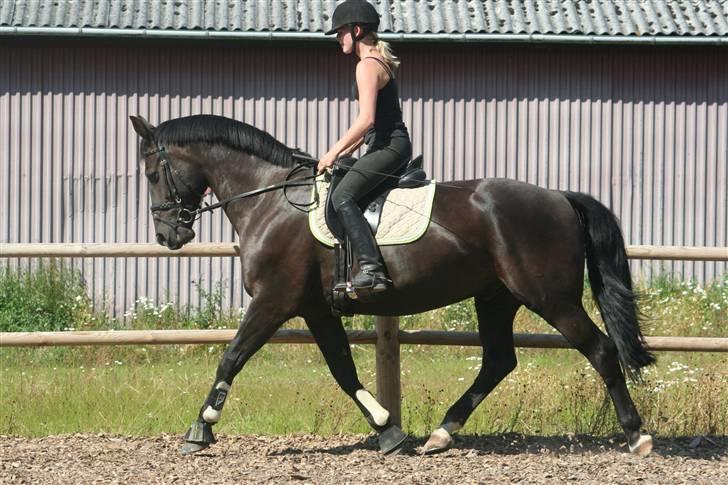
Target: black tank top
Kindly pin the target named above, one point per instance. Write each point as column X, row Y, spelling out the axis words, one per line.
column 388, row 118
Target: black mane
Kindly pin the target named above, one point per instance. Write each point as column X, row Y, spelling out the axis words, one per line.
column 218, row 130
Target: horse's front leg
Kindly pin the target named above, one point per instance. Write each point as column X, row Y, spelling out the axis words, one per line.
column 259, row 324
column 334, row 344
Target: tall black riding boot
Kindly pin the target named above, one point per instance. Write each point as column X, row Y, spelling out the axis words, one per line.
column 371, row 275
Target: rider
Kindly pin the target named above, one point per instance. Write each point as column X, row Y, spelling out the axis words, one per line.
column 379, row 125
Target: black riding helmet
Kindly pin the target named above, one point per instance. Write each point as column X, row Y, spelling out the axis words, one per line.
column 355, row 12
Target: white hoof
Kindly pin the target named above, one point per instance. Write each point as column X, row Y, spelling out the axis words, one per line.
column 643, row 446
column 440, row 440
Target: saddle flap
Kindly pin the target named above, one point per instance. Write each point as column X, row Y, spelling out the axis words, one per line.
column 373, row 212
column 332, row 220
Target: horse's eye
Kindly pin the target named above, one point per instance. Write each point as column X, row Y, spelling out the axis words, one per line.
column 153, row 177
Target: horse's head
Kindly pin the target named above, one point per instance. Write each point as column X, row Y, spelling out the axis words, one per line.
column 176, row 186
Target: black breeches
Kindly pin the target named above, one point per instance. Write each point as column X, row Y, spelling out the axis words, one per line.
column 371, row 170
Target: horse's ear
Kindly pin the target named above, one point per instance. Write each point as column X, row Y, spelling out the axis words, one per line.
column 143, row 128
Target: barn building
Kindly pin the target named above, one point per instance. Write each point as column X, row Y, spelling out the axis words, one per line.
column 625, row 100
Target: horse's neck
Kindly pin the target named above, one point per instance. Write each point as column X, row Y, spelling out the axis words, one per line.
column 237, row 174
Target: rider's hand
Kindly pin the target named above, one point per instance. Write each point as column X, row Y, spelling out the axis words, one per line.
column 326, row 162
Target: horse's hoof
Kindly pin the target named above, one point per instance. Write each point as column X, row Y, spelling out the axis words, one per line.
column 200, row 432
column 643, row 446
column 190, row 447
column 440, row 440
column 391, row 439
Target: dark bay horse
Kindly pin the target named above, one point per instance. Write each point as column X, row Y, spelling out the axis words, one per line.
column 504, row 243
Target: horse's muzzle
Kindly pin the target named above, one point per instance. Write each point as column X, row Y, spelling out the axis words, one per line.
column 176, row 239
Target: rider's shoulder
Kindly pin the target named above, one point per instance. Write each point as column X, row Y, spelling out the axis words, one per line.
column 368, row 67
column 366, row 63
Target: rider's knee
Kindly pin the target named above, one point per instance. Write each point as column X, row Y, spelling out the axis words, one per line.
column 340, row 198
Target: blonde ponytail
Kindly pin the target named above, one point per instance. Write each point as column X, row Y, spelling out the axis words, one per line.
column 385, row 50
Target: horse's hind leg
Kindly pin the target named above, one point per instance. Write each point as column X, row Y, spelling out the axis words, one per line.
column 581, row 332
column 495, row 326
column 331, row 339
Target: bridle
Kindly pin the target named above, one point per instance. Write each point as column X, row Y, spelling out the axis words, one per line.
column 176, row 199
column 189, row 211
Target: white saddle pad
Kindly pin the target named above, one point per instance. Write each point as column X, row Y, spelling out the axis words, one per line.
column 405, row 215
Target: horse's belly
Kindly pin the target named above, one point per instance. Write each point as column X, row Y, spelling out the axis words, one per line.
column 422, row 284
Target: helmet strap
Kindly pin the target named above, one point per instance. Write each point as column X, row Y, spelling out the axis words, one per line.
column 357, row 38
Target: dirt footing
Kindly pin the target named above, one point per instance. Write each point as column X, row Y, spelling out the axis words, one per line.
column 509, row 458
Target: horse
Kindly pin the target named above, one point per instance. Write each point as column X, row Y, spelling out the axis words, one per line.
column 504, row 243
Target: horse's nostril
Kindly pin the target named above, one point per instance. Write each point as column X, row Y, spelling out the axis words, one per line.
column 160, row 239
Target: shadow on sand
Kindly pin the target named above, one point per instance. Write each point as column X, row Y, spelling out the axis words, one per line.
column 689, row 447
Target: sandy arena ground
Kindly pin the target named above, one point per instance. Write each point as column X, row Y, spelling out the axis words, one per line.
column 511, row 458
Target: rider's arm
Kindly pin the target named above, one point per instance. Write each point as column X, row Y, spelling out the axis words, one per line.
column 354, row 147
column 367, row 82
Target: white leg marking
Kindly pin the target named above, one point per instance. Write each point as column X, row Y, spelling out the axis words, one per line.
column 210, row 415
column 643, row 447
column 379, row 414
column 440, row 440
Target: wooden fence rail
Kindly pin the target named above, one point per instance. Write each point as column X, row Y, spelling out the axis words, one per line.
column 387, row 337
column 293, row 336
column 128, row 250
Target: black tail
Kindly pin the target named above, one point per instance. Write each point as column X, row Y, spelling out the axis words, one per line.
column 611, row 282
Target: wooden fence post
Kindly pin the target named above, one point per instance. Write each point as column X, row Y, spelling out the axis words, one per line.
column 388, row 373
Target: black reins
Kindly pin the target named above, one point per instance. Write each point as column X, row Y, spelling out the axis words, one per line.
column 288, row 182
column 189, row 212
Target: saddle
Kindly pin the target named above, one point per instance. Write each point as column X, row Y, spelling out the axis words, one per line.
column 411, row 175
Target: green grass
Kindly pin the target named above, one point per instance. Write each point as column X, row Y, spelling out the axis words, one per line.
column 145, row 390
column 287, row 388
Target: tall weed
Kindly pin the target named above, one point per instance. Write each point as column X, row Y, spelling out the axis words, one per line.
column 50, row 297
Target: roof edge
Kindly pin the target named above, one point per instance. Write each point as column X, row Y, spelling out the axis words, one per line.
column 399, row 37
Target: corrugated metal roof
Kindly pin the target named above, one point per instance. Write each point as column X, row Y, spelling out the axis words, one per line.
column 576, row 17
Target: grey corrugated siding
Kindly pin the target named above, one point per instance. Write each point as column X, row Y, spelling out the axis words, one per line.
column 645, row 130
column 596, row 17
